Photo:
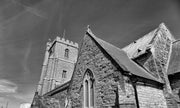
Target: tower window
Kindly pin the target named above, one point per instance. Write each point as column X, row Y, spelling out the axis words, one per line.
column 88, row 89
column 64, row 74
column 66, row 54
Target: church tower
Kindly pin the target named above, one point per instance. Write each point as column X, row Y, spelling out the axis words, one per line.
column 58, row 66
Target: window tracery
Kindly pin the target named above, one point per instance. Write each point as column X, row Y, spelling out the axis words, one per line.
column 88, row 88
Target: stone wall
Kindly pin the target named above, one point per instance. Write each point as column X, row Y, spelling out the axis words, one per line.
column 107, row 78
column 127, row 96
column 150, row 97
column 56, row 62
column 57, row 99
column 46, row 102
column 60, row 51
column 157, row 63
column 62, row 65
column 175, row 84
column 61, row 96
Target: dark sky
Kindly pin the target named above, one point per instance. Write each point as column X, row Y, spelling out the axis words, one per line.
column 26, row 26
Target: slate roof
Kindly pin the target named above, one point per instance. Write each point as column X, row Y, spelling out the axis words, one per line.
column 58, row 89
column 145, row 42
column 140, row 44
column 174, row 64
column 122, row 59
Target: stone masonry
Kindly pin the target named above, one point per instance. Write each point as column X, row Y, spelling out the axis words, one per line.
column 107, row 76
column 55, row 63
column 115, row 85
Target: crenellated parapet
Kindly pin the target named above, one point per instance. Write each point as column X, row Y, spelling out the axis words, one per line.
column 66, row 41
column 62, row 40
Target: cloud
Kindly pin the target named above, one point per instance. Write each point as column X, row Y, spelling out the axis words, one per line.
column 2, row 99
column 7, row 86
column 29, row 6
column 22, row 97
column 36, row 12
column 25, row 105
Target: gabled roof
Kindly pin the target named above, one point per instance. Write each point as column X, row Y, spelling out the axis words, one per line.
column 122, row 59
column 174, row 62
column 145, row 42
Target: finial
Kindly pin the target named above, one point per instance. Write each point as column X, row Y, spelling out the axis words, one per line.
column 49, row 40
column 88, row 28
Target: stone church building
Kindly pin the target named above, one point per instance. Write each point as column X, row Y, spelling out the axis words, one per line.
column 144, row 74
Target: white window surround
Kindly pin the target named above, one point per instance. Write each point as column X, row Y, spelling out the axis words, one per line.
column 88, row 88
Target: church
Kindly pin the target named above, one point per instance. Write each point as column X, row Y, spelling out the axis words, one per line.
column 97, row 74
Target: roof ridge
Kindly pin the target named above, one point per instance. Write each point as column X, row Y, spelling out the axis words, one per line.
column 146, row 35
column 141, row 43
column 61, row 87
column 163, row 26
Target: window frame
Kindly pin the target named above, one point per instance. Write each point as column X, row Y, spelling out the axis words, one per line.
column 88, row 100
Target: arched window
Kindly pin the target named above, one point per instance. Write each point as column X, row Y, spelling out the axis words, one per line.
column 66, row 54
column 88, row 89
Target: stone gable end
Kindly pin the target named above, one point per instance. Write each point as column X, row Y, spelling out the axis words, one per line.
column 108, row 79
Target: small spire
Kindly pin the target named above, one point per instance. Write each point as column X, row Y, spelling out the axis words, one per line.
column 64, row 33
column 162, row 25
